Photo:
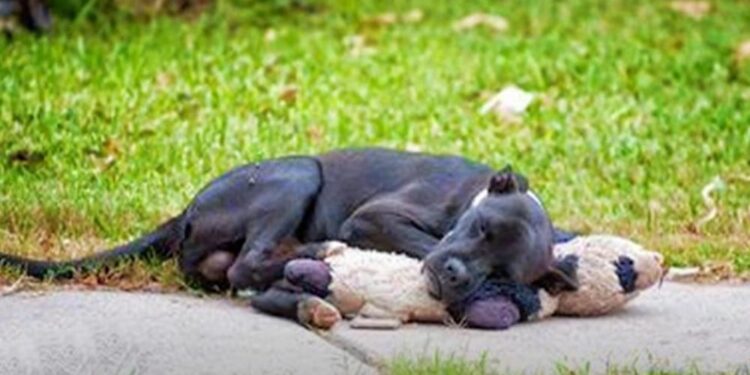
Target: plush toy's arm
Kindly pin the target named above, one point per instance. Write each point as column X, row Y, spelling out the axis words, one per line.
column 313, row 276
column 493, row 313
column 497, row 305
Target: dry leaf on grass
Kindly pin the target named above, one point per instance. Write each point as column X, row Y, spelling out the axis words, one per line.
column 383, row 19
column 90, row 281
column 492, row 22
column 742, row 52
column 390, row 18
column 711, row 272
column 509, row 103
column 693, row 9
column 288, row 94
column 716, row 184
column 315, row 133
column 164, row 80
column 107, row 154
column 359, row 45
column 270, row 35
column 413, row 16
column 716, row 271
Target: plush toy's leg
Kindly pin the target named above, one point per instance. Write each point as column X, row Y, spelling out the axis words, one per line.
column 301, row 307
column 312, row 276
column 493, row 313
column 318, row 313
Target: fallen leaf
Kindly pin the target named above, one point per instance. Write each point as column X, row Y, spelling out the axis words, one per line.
column 509, row 103
column 90, row 281
column 358, row 45
column 742, row 52
column 717, row 184
column 492, row 22
column 104, row 164
column 270, row 35
column 106, row 155
column 413, row 16
column 693, row 9
column 314, row 133
column 111, row 147
column 129, row 285
column 384, row 19
column 288, row 94
column 715, row 271
column 164, row 80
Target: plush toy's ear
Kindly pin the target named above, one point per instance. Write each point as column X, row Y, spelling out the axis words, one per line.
column 506, row 182
column 561, row 277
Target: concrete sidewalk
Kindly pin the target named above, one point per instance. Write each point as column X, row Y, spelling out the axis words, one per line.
column 673, row 327
column 68, row 332
column 126, row 333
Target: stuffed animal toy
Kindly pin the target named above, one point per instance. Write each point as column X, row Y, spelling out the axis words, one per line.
column 611, row 271
column 382, row 290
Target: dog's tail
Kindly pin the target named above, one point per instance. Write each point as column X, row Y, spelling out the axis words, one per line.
column 159, row 243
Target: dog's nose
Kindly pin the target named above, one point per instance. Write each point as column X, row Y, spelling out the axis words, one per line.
column 456, row 273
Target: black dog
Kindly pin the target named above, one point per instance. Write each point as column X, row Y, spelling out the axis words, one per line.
column 467, row 220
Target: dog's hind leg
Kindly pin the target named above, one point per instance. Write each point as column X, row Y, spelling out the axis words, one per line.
column 281, row 200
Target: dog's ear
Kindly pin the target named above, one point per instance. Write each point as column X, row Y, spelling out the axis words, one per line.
column 562, row 276
column 506, row 181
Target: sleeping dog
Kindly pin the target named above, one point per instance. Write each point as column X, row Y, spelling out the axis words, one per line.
column 465, row 219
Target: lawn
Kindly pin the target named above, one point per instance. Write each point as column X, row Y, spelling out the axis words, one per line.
column 439, row 364
column 110, row 124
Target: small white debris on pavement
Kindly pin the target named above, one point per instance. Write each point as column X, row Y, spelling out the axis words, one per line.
column 682, row 274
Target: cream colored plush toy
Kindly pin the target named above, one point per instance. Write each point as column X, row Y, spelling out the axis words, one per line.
column 611, row 271
column 382, row 290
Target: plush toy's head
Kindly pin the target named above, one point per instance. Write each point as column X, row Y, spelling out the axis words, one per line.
column 611, row 271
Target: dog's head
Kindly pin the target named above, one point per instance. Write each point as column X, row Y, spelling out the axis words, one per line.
column 506, row 234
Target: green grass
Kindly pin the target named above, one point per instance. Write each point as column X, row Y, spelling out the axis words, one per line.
column 124, row 120
column 439, row 364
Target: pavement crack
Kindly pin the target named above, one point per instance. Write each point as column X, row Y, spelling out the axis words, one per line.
column 357, row 351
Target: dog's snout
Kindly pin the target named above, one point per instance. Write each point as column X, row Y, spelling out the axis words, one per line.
column 456, row 273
